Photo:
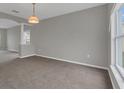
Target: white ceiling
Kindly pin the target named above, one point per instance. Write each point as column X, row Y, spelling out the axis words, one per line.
column 6, row 23
column 44, row 10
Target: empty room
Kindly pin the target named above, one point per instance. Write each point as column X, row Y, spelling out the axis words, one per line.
column 61, row 46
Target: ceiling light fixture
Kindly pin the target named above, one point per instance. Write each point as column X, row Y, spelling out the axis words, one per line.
column 33, row 19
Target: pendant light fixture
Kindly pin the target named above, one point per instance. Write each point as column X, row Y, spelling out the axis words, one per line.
column 33, row 19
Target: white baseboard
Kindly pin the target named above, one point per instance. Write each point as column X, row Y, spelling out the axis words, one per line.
column 84, row 64
column 27, row 56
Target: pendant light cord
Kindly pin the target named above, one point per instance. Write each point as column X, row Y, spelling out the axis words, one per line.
column 33, row 9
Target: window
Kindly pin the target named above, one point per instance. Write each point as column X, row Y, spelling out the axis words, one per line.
column 26, row 36
column 119, row 40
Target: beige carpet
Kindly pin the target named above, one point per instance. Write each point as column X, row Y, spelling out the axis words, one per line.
column 36, row 72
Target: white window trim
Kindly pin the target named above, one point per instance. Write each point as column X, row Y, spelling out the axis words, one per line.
column 117, row 76
column 121, row 70
column 115, row 69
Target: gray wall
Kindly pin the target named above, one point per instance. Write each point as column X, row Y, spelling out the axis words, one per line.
column 3, row 38
column 26, row 50
column 74, row 36
column 13, row 38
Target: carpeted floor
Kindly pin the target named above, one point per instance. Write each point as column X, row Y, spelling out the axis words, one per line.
column 36, row 72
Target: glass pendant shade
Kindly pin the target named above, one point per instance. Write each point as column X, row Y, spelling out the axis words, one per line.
column 33, row 20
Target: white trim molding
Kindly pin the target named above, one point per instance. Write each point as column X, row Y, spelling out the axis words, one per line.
column 74, row 62
column 27, row 56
